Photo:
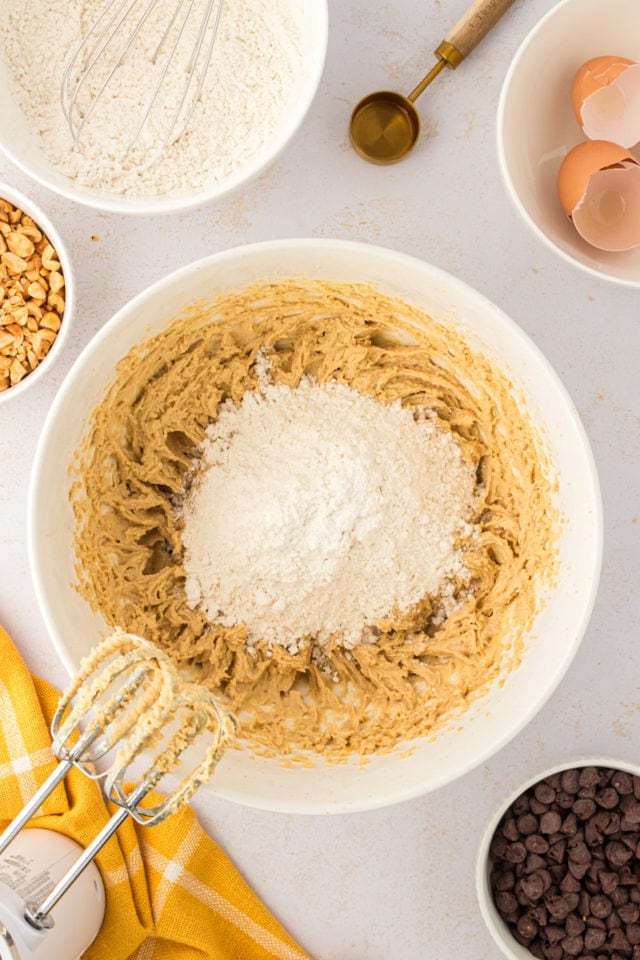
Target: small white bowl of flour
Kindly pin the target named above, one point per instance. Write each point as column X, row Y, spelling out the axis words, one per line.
column 266, row 66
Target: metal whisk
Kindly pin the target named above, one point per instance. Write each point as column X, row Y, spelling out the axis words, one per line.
column 127, row 699
column 174, row 71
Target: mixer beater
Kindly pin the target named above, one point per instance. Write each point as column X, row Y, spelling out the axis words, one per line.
column 126, row 702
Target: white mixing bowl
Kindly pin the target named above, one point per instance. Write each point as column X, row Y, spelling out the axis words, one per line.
column 22, row 145
column 555, row 636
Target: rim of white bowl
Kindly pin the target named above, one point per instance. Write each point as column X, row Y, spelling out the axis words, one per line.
column 494, row 922
column 504, row 166
column 156, row 205
column 41, row 219
column 415, row 790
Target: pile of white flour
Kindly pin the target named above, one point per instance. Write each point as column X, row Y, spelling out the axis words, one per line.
column 318, row 510
column 254, row 74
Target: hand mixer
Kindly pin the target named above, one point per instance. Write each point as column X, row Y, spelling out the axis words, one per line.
column 166, row 45
column 127, row 699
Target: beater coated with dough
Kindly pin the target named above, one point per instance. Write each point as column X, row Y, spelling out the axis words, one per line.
column 141, row 451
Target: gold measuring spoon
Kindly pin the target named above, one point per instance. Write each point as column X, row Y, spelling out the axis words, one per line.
column 385, row 125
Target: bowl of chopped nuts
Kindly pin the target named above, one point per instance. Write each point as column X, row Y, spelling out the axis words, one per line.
column 36, row 293
column 558, row 871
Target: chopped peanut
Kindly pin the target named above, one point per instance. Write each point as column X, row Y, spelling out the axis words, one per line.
column 32, row 300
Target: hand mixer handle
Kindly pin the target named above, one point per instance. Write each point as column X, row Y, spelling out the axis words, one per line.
column 39, row 915
column 475, row 24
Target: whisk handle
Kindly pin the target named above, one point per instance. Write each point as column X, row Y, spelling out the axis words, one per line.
column 34, row 804
column 475, row 24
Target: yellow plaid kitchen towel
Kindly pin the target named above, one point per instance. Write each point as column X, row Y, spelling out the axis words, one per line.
column 171, row 892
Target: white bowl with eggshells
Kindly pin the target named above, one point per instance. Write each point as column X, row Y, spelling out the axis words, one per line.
column 554, row 637
column 537, row 126
column 40, row 356
column 265, row 68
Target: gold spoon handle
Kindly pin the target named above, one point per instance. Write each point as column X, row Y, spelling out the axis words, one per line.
column 475, row 24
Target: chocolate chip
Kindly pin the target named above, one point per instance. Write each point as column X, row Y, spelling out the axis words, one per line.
column 626, row 876
column 550, row 822
column 614, row 823
column 564, row 800
column 557, row 871
column 622, row 783
column 594, row 938
column 578, row 853
column 527, row 824
column 633, row 933
column 554, row 933
column 506, row 902
column 534, row 862
column 533, row 886
column 616, row 853
column 578, row 870
column 588, row 777
column 569, row 825
column 613, row 921
column 629, row 912
column 632, row 815
column 497, row 847
column 601, row 906
column 617, row 940
column 586, row 793
column 570, row 884
column 557, row 851
column 572, row 946
column 630, row 839
column 546, row 878
column 527, row 927
column 574, row 925
column 571, row 900
column 558, row 907
column 584, row 808
column 608, row 881
column 554, row 952
column 607, row 798
column 570, row 780
column 544, row 792
column 535, row 843
column 510, row 829
column 516, row 852
column 620, row 897
column 503, row 881
column 592, row 833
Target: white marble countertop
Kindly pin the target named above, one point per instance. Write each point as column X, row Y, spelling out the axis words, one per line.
column 394, row 884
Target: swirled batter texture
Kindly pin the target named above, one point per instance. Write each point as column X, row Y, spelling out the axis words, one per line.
column 139, row 456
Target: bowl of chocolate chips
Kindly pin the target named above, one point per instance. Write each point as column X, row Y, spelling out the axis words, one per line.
column 558, row 873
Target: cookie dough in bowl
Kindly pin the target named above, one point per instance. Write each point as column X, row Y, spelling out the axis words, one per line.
column 342, row 490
